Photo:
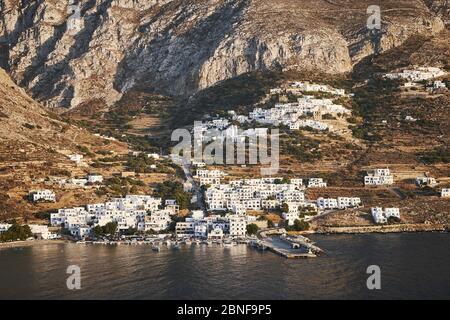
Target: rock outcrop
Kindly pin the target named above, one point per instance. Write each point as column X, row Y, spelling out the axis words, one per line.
column 178, row 47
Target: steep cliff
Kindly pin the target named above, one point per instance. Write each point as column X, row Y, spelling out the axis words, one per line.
column 28, row 132
column 178, row 47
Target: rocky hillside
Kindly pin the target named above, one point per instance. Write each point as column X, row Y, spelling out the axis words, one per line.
column 29, row 133
column 181, row 46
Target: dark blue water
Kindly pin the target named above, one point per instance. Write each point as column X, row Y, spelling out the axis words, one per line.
column 413, row 266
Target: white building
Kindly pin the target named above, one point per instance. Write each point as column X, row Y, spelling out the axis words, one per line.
column 42, row 232
column 42, row 195
column 76, row 158
column 392, row 212
column 290, row 217
column 216, row 234
column 238, row 226
column 378, row 177
column 77, row 182
column 426, row 181
column 201, row 230
column 204, row 181
column 185, row 229
column 445, row 192
column 316, row 183
column 313, row 87
column 153, row 156
column 94, row 178
column 157, row 221
column 378, row 215
column 381, row 216
column 348, row 202
column 4, row 227
column 81, row 231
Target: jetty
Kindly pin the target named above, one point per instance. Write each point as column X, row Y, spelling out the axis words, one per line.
column 276, row 241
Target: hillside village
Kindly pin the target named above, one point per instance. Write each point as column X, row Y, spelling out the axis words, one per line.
column 225, row 205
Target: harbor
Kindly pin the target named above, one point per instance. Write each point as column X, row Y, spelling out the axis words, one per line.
column 272, row 240
column 290, row 247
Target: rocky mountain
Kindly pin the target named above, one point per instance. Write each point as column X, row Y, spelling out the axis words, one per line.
column 65, row 57
column 30, row 133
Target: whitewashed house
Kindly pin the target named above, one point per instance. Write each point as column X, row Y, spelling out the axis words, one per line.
column 378, row 177
column 378, row 215
column 327, row 203
column 445, row 193
column 348, row 202
column 392, row 212
column 81, row 231
column 216, row 234
column 238, row 226
column 426, row 181
column 185, row 229
column 4, row 227
column 42, row 195
column 76, row 158
column 94, row 178
column 381, row 216
column 290, row 217
column 316, row 183
column 42, row 232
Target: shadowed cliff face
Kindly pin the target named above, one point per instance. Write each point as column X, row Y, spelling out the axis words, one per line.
column 178, row 47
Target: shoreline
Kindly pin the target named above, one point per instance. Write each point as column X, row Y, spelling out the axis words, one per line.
column 24, row 244
column 397, row 228
column 383, row 229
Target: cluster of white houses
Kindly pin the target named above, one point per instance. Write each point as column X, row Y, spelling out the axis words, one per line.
column 253, row 194
column 294, row 115
column 378, row 177
column 214, row 227
column 90, row 179
column 306, row 112
column 50, row 196
column 239, row 196
column 381, row 215
column 417, row 74
column 301, row 87
column 136, row 211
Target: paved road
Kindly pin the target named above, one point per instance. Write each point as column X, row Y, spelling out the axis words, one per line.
column 196, row 190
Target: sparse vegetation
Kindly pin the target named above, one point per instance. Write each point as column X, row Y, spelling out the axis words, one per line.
column 16, row 232
column 173, row 190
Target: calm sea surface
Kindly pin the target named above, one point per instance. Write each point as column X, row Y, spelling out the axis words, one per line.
column 413, row 266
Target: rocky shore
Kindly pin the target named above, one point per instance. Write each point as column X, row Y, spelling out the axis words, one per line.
column 395, row 228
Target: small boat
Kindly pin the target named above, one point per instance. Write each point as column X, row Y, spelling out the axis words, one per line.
column 188, row 242
column 156, row 248
column 176, row 245
column 168, row 243
column 229, row 244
